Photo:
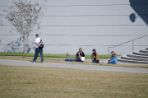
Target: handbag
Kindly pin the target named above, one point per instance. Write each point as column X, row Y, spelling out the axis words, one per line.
column 41, row 46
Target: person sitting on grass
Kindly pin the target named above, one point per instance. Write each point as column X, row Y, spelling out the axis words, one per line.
column 113, row 59
column 95, row 56
column 80, row 56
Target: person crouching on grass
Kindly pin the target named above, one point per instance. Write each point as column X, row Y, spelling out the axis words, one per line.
column 80, row 56
column 95, row 56
column 38, row 48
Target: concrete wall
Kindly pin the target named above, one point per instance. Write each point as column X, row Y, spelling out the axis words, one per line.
column 67, row 25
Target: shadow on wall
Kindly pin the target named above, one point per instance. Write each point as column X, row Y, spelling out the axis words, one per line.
column 141, row 9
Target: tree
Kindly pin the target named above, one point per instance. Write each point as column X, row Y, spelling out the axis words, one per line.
column 23, row 15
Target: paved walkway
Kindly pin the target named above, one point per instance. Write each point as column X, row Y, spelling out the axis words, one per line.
column 74, row 66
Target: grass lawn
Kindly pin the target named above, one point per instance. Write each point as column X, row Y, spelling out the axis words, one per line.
column 36, row 82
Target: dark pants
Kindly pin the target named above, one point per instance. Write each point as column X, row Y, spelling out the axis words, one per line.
column 78, row 59
column 95, row 61
column 38, row 51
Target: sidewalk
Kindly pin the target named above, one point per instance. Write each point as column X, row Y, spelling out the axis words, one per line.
column 74, row 66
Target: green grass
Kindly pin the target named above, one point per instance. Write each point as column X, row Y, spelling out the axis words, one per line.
column 102, row 56
column 31, row 82
column 15, row 54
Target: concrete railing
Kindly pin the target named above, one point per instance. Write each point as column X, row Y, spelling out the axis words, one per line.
column 129, row 41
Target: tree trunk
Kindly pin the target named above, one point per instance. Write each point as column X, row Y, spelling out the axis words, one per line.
column 25, row 44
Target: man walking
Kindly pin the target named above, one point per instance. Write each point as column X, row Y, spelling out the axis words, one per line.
column 38, row 48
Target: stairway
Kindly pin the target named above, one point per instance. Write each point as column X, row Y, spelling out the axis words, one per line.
column 137, row 57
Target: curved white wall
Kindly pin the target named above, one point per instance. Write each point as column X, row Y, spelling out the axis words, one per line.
column 67, row 25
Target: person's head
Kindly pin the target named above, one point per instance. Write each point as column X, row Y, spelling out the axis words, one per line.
column 37, row 35
column 113, row 53
column 80, row 49
column 94, row 51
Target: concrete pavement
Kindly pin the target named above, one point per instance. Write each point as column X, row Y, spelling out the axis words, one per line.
column 74, row 66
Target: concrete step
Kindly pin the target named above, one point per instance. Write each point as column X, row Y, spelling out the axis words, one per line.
column 133, row 58
column 139, row 53
column 137, row 56
column 143, row 51
column 133, row 61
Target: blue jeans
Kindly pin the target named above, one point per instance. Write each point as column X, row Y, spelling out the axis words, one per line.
column 113, row 61
column 38, row 51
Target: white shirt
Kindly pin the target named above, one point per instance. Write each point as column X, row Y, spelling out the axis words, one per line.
column 37, row 42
